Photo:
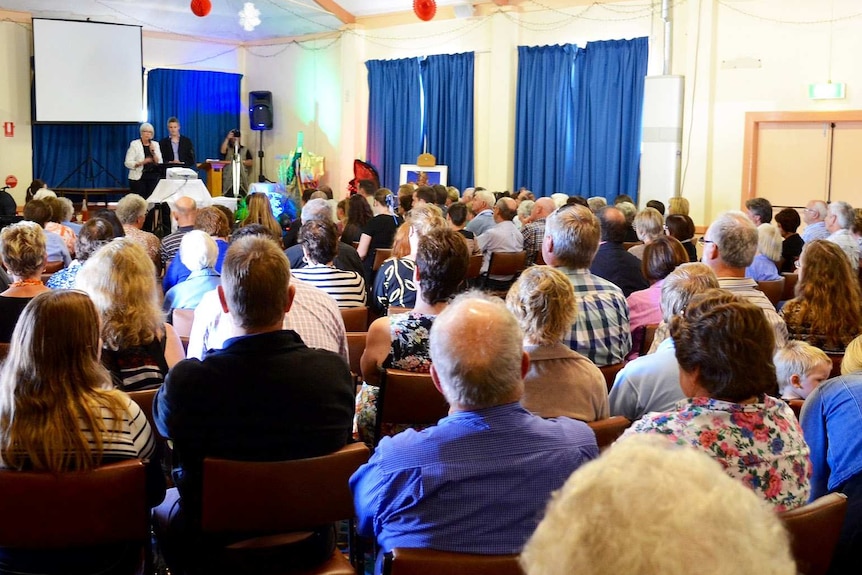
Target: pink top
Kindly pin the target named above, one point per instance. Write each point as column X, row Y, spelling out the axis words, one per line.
column 644, row 309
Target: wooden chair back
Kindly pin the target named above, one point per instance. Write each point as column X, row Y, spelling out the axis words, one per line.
column 394, row 309
column 403, row 561
column 796, row 406
column 355, row 348
column 380, row 256
column 610, row 372
column 773, row 289
column 608, row 430
column 789, row 286
column 648, row 338
column 507, row 263
column 814, row 530
column 408, row 398
column 51, row 267
column 74, row 509
column 474, row 266
column 144, row 399
column 629, row 245
column 355, row 318
column 836, row 358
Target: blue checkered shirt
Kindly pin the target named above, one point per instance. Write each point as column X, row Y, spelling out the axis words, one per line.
column 477, row 482
column 533, row 233
column 601, row 331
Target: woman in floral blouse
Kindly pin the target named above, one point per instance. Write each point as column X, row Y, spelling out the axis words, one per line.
column 724, row 349
column 400, row 341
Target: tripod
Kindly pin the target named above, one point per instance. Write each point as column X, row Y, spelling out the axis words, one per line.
column 86, row 167
column 260, row 176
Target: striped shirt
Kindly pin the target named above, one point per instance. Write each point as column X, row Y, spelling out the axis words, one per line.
column 746, row 289
column 347, row 288
column 171, row 244
column 133, row 440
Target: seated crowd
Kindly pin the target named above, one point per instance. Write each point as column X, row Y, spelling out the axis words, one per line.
column 263, row 373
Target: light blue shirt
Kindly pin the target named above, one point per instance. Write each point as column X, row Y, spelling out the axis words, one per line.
column 56, row 249
column 481, row 222
column 649, row 383
column 815, row 231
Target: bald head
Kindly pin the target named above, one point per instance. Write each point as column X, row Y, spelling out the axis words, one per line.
column 477, row 354
column 543, row 208
column 505, row 209
column 185, row 210
column 613, row 223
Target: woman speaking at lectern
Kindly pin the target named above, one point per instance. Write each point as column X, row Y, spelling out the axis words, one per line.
column 142, row 159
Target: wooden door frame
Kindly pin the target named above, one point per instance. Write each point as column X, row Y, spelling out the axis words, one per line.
column 752, row 136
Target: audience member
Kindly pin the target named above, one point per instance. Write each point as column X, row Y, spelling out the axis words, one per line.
column 358, row 214
column 54, row 224
column 827, row 309
column 400, row 341
column 764, row 266
column 379, row 231
column 346, row 258
column 838, row 223
column 612, row 262
column 457, row 218
column 132, row 210
column 682, row 228
column 138, row 347
column 453, row 196
column 260, row 212
column 184, row 212
column 477, row 481
column 58, row 413
column 729, row 245
column 601, row 521
column 724, row 347
column 595, row 203
column 649, row 225
column 39, row 212
column 800, row 368
column 22, row 250
column 259, row 377
column 482, row 207
column 759, row 210
column 95, row 233
column 503, row 236
column 791, row 247
column 198, row 253
column 814, row 216
column 34, row 187
column 629, row 210
column 651, row 382
column 525, row 211
column 678, row 205
column 601, row 329
column 534, row 229
column 560, row 382
column 319, row 242
column 111, row 217
column 656, row 205
column 212, row 221
column 67, row 211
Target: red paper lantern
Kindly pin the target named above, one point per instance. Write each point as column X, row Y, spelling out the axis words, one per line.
column 201, row 7
column 425, row 9
column 11, row 181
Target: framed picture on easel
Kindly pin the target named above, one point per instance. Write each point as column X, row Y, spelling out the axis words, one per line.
column 423, row 175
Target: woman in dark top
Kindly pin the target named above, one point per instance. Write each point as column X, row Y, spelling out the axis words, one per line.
column 22, row 248
column 791, row 248
column 681, row 227
column 358, row 214
column 379, row 231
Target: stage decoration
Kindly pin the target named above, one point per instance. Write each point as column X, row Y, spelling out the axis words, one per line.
column 249, row 17
column 425, row 9
column 201, row 8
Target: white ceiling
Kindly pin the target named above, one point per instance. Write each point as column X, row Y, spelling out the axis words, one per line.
column 279, row 18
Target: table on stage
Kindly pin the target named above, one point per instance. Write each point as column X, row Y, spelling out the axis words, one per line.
column 169, row 190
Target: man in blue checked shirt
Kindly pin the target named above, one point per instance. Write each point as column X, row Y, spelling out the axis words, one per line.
column 477, row 482
column 601, row 331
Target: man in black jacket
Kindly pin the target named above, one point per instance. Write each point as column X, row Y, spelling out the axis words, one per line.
column 177, row 149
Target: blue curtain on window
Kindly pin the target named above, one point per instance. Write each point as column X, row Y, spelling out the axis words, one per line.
column 394, row 117
column 207, row 104
column 447, row 82
column 609, row 80
column 545, row 119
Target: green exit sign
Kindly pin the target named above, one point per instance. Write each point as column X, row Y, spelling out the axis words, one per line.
column 826, row 91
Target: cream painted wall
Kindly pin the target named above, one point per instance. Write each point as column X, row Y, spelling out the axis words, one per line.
column 16, row 153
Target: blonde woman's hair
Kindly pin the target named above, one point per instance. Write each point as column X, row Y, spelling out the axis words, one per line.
column 130, row 208
column 601, row 522
column 852, row 361
column 121, row 281
column 769, row 241
column 22, row 248
column 52, row 386
column 649, row 224
column 543, row 302
column 796, row 358
column 260, row 212
column 427, row 217
column 677, row 205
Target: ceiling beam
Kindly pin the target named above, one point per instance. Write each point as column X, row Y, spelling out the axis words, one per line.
column 336, row 10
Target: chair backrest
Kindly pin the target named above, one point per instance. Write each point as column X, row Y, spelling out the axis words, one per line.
column 608, row 430
column 814, row 530
column 789, row 286
column 144, row 399
column 648, row 338
column 279, row 496
column 507, row 263
column 182, row 320
column 431, row 562
column 51, row 267
column 796, row 406
column 4, row 350
column 610, row 372
column 540, row 259
column 836, row 358
column 355, row 318
column 773, row 289
column 629, row 245
column 474, row 266
column 74, row 509
column 355, row 348
column 380, row 256
column 394, row 309
column 408, row 398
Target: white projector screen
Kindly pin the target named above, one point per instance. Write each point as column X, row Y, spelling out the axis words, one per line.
column 87, row 72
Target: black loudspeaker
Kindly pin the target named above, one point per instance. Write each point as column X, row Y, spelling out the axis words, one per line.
column 260, row 110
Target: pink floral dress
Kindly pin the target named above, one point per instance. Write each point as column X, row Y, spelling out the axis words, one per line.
column 760, row 443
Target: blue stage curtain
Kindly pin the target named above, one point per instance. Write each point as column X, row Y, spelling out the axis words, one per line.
column 394, row 117
column 447, row 82
column 545, row 119
column 610, row 88
column 207, row 104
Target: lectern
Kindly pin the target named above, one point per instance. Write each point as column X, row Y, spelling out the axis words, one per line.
column 213, row 170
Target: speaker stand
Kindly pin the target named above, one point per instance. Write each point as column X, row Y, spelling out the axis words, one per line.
column 260, row 177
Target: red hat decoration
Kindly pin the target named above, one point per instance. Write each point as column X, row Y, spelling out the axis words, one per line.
column 201, row 7
column 425, row 9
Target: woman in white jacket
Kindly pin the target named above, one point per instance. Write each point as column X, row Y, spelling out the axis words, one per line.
column 142, row 159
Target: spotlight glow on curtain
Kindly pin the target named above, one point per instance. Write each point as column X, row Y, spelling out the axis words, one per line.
column 394, row 117
column 447, row 81
column 578, row 118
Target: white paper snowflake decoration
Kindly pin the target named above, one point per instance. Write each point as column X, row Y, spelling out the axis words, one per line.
column 249, row 17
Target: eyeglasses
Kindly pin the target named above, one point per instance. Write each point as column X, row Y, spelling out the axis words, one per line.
column 703, row 241
column 797, row 264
